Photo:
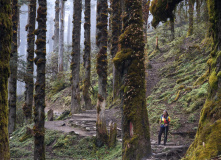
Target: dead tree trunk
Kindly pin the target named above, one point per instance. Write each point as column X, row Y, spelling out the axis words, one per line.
column 29, row 83
column 101, row 40
column 61, row 40
column 40, row 61
column 75, row 63
column 116, row 31
column 87, row 55
column 5, row 46
column 13, row 67
column 130, row 62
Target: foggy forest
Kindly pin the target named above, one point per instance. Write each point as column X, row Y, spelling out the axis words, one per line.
column 110, row 79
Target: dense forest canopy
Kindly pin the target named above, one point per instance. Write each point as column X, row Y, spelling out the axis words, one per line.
column 92, row 79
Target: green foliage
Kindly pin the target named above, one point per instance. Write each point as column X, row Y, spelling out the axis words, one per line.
column 64, row 146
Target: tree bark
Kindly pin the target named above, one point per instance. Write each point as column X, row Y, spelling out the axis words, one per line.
column 130, row 62
column 101, row 40
column 191, row 9
column 198, row 5
column 116, row 31
column 75, row 63
column 5, row 50
column 61, row 40
column 13, row 67
column 56, row 27
column 208, row 132
column 40, row 61
column 87, row 55
column 19, row 28
column 172, row 29
column 27, row 108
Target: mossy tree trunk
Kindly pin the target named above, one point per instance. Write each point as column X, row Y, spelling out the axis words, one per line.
column 61, row 38
column 29, row 83
column 40, row 61
column 13, row 67
column 87, row 55
column 207, row 140
column 101, row 131
column 75, row 63
column 5, row 50
column 130, row 62
column 116, row 31
column 191, row 9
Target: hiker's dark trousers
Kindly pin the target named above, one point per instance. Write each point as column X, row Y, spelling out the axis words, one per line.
column 164, row 130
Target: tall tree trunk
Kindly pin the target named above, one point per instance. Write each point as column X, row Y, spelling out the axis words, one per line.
column 51, row 36
column 56, row 35
column 116, row 31
column 27, row 108
column 207, row 140
column 5, row 50
column 61, row 40
column 13, row 68
column 130, row 62
column 69, row 31
column 172, row 29
column 198, row 5
column 75, row 63
column 19, row 28
column 40, row 61
column 101, row 40
column 56, row 27
column 191, row 9
column 87, row 55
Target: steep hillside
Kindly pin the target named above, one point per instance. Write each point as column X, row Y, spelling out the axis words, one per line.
column 177, row 75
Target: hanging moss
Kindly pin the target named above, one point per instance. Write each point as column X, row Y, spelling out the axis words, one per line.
column 162, row 10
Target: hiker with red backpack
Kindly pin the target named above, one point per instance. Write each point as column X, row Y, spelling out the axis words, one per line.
column 164, row 126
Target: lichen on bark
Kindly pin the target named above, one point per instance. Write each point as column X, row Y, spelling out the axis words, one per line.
column 87, row 55
column 130, row 63
column 5, row 50
column 12, row 87
column 75, row 62
column 29, row 83
column 101, row 41
column 40, row 61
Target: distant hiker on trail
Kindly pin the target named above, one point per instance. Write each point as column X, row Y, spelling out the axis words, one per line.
column 164, row 126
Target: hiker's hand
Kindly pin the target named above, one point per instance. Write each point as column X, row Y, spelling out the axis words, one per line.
column 166, row 125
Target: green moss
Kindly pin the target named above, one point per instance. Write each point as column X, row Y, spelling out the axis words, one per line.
column 177, row 96
column 213, row 80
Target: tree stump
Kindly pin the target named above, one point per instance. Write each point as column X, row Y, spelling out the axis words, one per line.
column 50, row 115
